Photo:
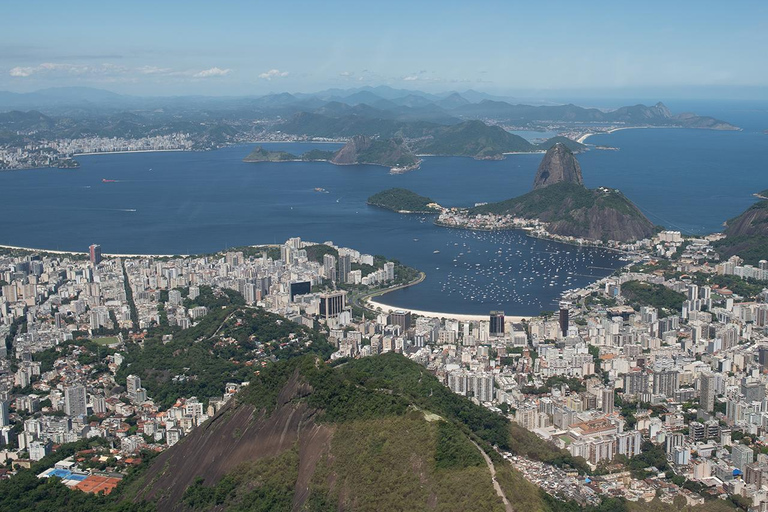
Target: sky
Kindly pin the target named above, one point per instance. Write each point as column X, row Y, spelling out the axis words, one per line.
column 508, row 47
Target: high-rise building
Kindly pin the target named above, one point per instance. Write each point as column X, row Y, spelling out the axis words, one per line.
column 95, row 252
column 5, row 418
column 635, row 382
column 401, row 318
column 329, row 266
column 707, row 391
column 345, row 267
column 564, row 316
column 332, row 304
column 497, row 323
column 132, row 384
column 75, row 401
column 741, row 455
column 665, row 383
column 608, row 401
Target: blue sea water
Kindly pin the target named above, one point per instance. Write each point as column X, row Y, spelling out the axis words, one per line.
column 172, row 203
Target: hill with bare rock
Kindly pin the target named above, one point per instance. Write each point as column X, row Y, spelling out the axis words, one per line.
column 367, row 150
column 379, row 433
column 746, row 236
column 560, row 199
column 558, row 165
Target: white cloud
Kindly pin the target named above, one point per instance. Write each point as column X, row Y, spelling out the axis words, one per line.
column 346, row 74
column 273, row 73
column 22, row 72
column 410, row 78
column 208, row 73
column 51, row 68
column 154, row 70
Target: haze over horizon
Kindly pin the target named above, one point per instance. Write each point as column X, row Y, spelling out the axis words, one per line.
column 696, row 50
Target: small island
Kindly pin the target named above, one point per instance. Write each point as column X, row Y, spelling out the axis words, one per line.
column 260, row 154
column 402, row 200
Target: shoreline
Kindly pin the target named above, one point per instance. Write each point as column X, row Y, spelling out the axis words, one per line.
column 587, row 135
column 373, row 305
column 131, row 151
column 120, row 255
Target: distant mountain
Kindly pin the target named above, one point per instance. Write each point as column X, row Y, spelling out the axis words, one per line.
column 558, row 165
column 374, row 434
column 560, row 199
column 318, row 125
column 475, row 139
column 453, row 101
column 637, row 115
column 366, row 150
column 746, row 236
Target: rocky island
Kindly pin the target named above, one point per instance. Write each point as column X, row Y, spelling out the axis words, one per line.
column 402, row 200
column 560, row 199
column 360, row 149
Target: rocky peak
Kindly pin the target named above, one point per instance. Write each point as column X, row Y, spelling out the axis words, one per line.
column 349, row 153
column 559, row 165
column 661, row 110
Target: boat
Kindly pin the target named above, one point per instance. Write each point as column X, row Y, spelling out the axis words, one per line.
column 435, row 252
column 104, row 180
column 321, row 190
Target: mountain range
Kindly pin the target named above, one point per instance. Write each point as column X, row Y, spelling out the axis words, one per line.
column 372, row 103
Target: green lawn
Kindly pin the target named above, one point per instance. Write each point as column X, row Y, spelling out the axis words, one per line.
column 107, row 340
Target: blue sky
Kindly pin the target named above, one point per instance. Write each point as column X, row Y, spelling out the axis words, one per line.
column 233, row 48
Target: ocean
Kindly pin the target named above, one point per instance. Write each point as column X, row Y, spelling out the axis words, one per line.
column 190, row 202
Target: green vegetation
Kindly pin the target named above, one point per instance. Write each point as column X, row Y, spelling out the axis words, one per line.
column 388, row 152
column 106, row 340
column 199, row 362
column 475, row 139
column 401, row 200
column 262, row 485
column 655, row 295
column 318, row 252
column 571, row 209
column 548, row 203
column 748, row 288
column 750, row 248
column 317, row 155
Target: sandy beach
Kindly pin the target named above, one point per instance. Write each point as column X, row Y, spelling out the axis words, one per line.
column 584, row 137
column 130, row 151
column 435, row 314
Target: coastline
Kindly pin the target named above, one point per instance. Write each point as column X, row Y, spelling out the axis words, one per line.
column 373, row 305
column 587, row 135
column 131, row 151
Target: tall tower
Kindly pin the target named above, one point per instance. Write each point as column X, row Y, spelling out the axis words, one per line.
column 564, row 315
column 608, row 401
column 95, row 252
column 497, row 323
column 345, row 267
column 707, row 388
